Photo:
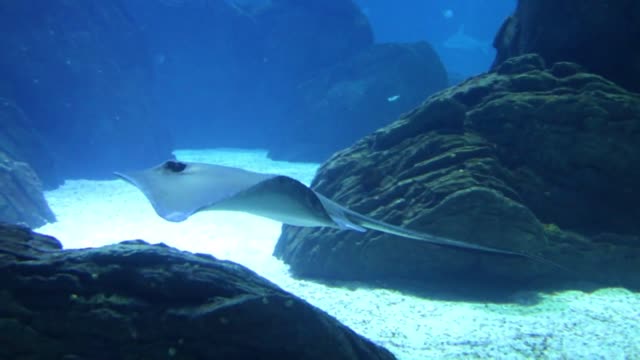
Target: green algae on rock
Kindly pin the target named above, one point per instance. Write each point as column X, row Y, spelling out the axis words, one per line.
column 491, row 161
column 134, row 300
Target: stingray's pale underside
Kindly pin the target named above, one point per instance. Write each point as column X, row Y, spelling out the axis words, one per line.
column 179, row 189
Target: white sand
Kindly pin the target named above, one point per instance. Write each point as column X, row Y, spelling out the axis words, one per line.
column 569, row 325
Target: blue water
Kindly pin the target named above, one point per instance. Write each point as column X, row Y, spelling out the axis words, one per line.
column 436, row 21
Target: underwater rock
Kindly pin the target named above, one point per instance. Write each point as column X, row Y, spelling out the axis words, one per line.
column 354, row 97
column 602, row 36
column 21, row 141
column 133, row 300
column 85, row 87
column 21, row 197
column 528, row 158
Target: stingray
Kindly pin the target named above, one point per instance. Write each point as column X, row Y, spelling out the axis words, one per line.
column 179, row 189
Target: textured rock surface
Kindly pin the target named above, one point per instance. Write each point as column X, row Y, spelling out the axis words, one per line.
column 133, row 300
column 85, row 87
column 356, row 96
column 531, row 159
column 21, row 198
column 600, row 35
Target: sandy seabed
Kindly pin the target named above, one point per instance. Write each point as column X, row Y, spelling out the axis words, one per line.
column 569, row 325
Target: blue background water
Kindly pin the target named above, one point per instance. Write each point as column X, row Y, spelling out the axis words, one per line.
column 118, row 85
column 435, row 21
column 213, row 73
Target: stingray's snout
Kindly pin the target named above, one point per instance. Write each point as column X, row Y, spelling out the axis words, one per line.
column 175, row 166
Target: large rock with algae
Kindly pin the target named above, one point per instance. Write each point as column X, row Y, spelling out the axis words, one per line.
column 138, row 301
column 529, row 158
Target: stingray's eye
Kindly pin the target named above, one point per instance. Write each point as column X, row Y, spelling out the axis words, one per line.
column 175, row 166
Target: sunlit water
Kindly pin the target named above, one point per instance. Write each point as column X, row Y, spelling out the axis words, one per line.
column 568, row 325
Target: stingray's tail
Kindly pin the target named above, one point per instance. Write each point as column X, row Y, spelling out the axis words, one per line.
column 373, row 224
column 384, row 227
column 350, row 220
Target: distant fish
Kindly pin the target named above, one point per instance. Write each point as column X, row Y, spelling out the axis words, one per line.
column 393, row 98
column 159, row 59
column 246, row 6
column 447, row 13
column 462, row 41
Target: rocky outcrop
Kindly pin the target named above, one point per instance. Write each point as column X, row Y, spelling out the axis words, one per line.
column 134, row 300
column 602, row 36
column 354, row 97
column 528, row 158
column 21, row 197
column 20, row 140
column 85, row 87
column 23, row 157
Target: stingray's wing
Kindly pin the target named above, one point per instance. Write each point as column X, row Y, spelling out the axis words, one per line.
column 282, row 199
column 177, row 190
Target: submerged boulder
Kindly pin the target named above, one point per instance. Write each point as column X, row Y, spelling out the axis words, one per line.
column 600, row 35
column 21, row 141
column 134, row 300
column 353, row 97
column 529, row 158
column 21, row 197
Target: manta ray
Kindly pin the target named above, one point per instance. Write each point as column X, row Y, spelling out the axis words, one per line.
column 462, row 41
column 178, row 189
